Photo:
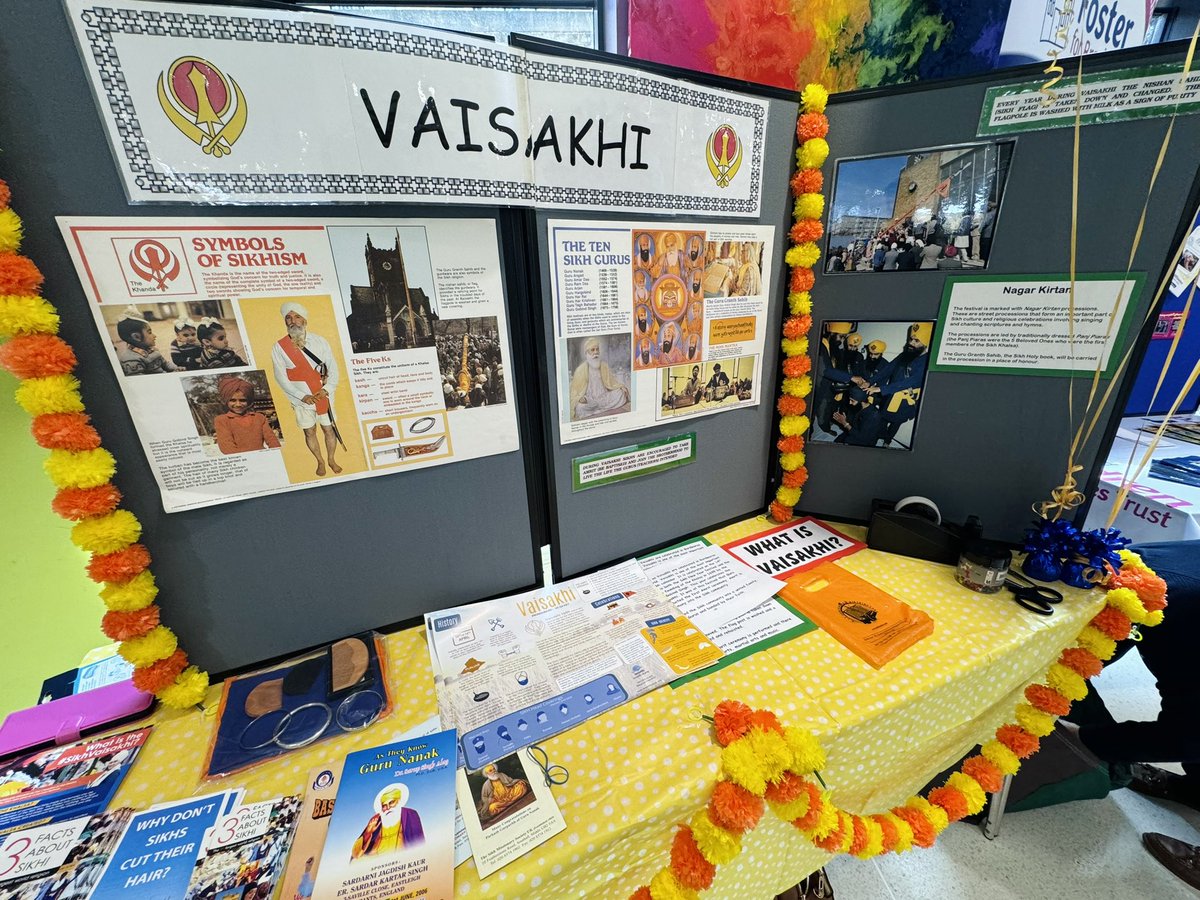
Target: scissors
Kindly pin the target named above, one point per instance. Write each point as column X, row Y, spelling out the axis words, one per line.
column 1034, row 597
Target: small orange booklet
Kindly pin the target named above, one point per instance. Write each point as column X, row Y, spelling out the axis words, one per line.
column 867, row 621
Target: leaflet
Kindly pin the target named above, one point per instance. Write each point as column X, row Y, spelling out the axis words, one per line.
column 655, row 322
column 242, row 855
column 707, row 584
column 66, row 782
column 392, row 831
column 156, row 855
column 513, row 671
column 258, row 355
column 59, row 860
column 508, row 812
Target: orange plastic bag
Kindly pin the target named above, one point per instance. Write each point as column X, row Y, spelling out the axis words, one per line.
column 868, row 622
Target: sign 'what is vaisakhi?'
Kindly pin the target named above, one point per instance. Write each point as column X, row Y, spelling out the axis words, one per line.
column 211, row 104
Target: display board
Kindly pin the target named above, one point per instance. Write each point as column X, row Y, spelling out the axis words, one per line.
column 646, row 458
column 985, row 432
column 260, row 577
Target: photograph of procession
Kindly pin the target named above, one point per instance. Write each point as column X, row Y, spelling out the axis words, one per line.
column 921, row 210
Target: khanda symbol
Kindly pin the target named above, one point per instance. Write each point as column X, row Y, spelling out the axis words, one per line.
column 724, row 152
column 153, row 262
column 206, row 106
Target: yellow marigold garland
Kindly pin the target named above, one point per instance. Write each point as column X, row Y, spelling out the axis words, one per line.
column 763, row 758
column 803, row 255
column 107, row 532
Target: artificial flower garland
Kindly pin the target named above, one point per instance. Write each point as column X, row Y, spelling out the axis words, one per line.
column 811, row 128
column 765, row 764
column 82, row 471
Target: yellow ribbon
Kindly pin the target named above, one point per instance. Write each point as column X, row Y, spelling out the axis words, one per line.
column 1063, row 498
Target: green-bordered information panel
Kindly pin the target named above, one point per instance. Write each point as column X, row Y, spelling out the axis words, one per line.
column 1021, row 324
column 624, row 463
column 1137, row 93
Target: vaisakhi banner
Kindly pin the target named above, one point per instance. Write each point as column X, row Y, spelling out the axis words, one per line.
column 212, row 104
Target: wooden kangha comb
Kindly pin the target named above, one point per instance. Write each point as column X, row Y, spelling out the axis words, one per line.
column 349, row 659
column 265, row 698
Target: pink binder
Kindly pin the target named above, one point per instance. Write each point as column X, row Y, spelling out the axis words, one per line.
column 67, row 719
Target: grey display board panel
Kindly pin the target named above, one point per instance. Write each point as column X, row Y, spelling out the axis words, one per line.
column 729, row 475
column 250, row 580
column 986, row 444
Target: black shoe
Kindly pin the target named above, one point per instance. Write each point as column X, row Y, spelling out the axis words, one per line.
column 1152, row 781
column 1181, row 859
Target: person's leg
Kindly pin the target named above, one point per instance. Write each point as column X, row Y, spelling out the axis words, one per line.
column 331, row 447
column 314, row 447
column 1175, row 735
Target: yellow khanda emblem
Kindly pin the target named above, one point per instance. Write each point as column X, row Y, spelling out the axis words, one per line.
column 206, row 106
column 724, row 152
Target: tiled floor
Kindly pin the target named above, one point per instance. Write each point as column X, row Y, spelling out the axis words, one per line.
column 1088, row 849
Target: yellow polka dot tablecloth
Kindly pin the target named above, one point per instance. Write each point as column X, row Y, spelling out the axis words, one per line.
column 643, row 767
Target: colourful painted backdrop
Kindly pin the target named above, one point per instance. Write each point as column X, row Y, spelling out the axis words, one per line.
column 844, row 44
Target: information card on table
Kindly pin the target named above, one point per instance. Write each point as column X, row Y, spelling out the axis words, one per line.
column 266, row 355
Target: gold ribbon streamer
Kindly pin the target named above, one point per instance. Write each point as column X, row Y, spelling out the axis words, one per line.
column 1065, row 496
column 1048, row 95
column 1188, row 59
column 1162, row 286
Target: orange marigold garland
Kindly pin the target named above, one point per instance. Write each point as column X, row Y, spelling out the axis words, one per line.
column 811, row 129
column 762, row 760
column 83, row 470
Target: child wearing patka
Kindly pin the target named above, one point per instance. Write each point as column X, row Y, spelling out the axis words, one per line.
column 239, row 429
column 139, row 356
column 214, row 347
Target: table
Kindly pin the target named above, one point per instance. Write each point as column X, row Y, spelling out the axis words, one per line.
column 645, row 766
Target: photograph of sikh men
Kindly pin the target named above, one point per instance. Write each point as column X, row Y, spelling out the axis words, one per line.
column 869, row 381
column 703, row 387
column 393, row 827
column 599, row 376
column 499, row 790
column 924, row 209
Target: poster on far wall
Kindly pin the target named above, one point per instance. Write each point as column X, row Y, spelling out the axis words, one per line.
column 1188, row 267
column 1037, row 30
column 925, row 209
column 869, row 383
column 656, row 322
column 259, row 356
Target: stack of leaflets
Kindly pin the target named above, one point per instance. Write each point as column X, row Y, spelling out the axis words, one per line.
column 1182, row 428
column 68, row 782
column 243, row 854
column 1180, row 469
column 213, row 847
